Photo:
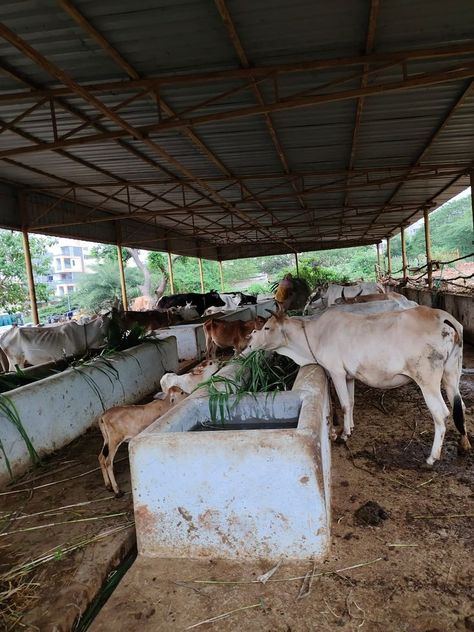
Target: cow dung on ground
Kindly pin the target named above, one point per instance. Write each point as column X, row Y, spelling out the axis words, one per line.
column 370, row 514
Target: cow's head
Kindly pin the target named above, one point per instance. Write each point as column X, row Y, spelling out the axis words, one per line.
column 212, row 299
column 271, row 336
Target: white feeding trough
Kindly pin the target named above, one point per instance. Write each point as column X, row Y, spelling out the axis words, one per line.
column 255, row 486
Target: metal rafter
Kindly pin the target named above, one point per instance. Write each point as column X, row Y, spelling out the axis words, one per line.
column 247, row 73
column 134, row 75
column 142, row 133
column 466, row 92
column 369, row 48
column 244, row 62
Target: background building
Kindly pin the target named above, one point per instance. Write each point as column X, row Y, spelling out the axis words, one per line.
column 69, row 259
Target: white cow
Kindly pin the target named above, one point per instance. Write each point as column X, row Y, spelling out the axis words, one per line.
column 188, row 381
column 327, row 295
column 37, row 345
column 187, row 313
column 384, row 350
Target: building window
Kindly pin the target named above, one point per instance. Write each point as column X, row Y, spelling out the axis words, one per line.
column 61, row 290
column 58, row 264
column 67, row 262
column 70, row 289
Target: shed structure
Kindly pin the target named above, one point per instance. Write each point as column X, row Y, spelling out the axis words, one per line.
column 233, row 128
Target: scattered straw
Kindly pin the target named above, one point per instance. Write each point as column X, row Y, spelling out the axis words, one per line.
column 401, row 545
column 305, row 588
column 287, row 579
column 224, row 615
column 443, row 517
column 266, row 576
column 63, row 480
column 55, row 524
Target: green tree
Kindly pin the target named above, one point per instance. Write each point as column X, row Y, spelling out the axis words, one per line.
column 99, row 288
column 13, row 281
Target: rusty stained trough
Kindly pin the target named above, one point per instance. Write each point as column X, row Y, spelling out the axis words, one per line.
column 261, row 491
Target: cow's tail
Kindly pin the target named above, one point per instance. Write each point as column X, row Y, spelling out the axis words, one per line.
column 451, row 378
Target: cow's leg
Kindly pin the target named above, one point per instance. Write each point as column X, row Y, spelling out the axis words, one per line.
column 350, row 390
column 103, row 468
column 451, row 376
column 340, row 384
column 440, row 413
column 109, row 464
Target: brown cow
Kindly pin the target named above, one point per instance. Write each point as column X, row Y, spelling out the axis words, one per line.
column 229, row 333
column 151, row 320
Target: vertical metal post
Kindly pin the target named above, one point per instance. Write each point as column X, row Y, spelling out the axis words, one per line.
column 28, row 265
column 221, row 272
column 170, row 272
column 297, row 265
column 404, row 253
column 471, row 177
column 201, row 274
column 29, row 276
column 123, row 285
column 389, row 258
column 379, row 265
column 428, row 247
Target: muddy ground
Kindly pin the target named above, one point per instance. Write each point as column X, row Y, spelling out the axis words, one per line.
column 420, row 571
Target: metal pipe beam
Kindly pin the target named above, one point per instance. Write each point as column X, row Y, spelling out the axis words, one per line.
column 30, row 277
column 404, row 253
column 389, row 258
column 221, row 273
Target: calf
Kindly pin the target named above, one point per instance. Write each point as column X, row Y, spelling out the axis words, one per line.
column 122, row 423
column 384, row 350
column 154, row 319
column 229, row 333
column 369, row 298
column 188, row 381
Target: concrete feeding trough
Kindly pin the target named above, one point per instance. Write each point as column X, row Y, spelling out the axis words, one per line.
column 256, row 486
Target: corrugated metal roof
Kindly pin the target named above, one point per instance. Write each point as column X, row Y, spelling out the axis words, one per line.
column 242, row 185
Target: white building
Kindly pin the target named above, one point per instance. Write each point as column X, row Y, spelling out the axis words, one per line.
column 69, row 258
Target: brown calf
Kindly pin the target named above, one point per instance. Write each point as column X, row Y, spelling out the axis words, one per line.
column 122, row 423
column 151, row 320
column 229, row 333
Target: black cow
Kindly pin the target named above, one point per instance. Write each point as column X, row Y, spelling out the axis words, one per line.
column 200, row 301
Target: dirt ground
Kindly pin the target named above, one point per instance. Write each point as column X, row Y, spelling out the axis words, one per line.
column 414, row 571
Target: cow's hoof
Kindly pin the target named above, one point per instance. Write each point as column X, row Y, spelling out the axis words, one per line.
column 119, row 495
column 464, row 445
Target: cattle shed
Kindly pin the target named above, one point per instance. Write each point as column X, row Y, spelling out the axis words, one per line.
column 230, row 129
column 224, row 129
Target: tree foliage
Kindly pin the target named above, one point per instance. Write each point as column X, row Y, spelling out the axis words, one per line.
column 13, row 280
column 99, row 288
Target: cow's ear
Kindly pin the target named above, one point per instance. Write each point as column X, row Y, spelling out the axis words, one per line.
column 280, row 313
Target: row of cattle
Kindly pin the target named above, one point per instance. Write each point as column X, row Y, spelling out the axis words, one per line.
column 21, row 346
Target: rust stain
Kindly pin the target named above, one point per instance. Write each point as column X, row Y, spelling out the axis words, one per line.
column 145, row 520
column 304, row 480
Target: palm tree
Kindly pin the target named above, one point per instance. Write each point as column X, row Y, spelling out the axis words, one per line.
column 99, row 288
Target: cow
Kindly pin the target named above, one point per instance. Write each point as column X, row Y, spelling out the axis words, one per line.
column 122, row 423
column 240, row 298
column 187, row 313
column 374, row 298
column 38, row 345
column 384, row 350
column 328, row 294
column 200, row 301
column 190, row 380
column 231, row 300
column 229, row 333
column 154, row 319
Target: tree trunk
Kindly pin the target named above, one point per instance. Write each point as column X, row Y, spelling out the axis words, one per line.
column 146, row 287
column 160, row 290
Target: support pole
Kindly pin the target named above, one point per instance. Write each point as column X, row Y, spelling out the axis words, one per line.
column 428, row 247
column 29, row 276
column 170, row 272
column 201, row 274
column 28, row 265
column 389, row 258
column 123, row 285
column 221, row 272
column 404, row 253
column 471, row 177
column 379, row 265
column 297, row 265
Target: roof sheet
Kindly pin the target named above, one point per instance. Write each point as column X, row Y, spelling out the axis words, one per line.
column 251, row 157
